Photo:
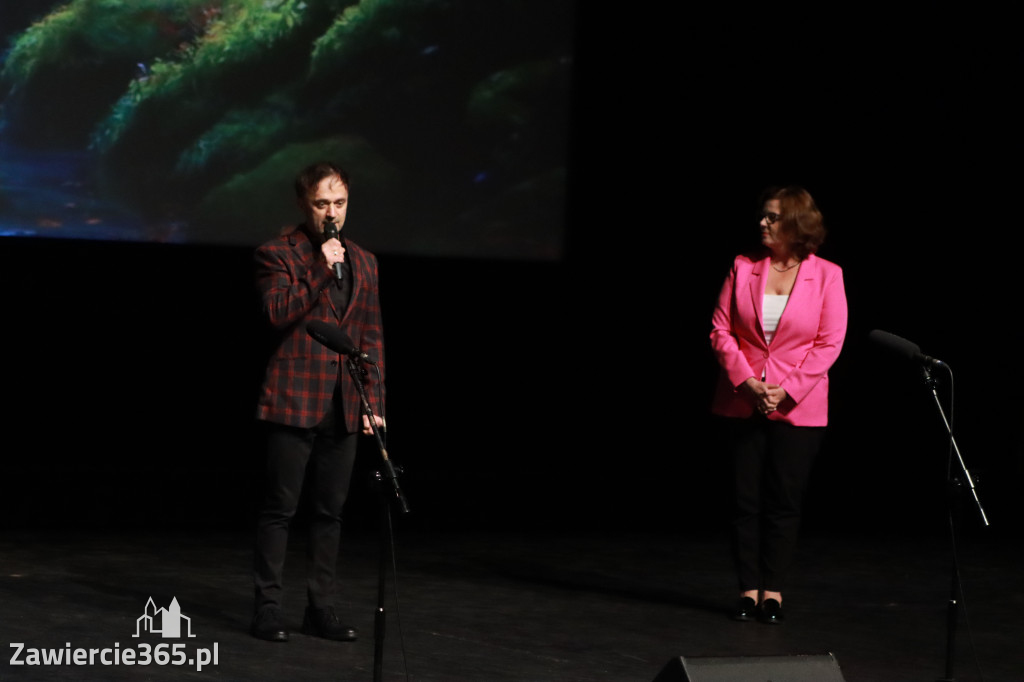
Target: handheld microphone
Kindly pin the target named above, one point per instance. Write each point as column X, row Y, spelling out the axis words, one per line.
column 331, row 232
column 331, row 336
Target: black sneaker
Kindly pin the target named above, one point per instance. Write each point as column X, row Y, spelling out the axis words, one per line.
column 324, row 623
column 268, row 625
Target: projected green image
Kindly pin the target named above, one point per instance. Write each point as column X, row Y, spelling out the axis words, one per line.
column 185, row 121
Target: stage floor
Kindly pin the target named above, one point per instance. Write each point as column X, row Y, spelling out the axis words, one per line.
column 491, row 607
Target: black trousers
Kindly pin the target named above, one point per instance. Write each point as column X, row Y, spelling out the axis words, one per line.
column 322, row 458
column 772, row 464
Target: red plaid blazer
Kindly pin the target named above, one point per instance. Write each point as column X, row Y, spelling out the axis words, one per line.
column 302, row 372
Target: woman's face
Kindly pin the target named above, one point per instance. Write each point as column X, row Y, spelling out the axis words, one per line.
column 770, row 225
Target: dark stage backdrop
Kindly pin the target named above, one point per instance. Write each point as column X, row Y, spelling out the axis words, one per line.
column 573, row 392
column 186, row 121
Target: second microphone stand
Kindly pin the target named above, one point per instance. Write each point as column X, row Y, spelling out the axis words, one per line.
column 957, row 486
column 389, row 492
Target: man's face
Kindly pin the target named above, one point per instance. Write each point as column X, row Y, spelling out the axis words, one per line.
column 327, row 199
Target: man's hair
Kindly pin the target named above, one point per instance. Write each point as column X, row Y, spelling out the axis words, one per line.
column 310, row 177
column 801, row 225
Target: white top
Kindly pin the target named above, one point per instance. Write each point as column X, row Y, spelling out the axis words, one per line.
column 772, row 310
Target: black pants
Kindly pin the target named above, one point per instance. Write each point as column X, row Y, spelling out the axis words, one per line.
column 772, row 463
column 327, row 453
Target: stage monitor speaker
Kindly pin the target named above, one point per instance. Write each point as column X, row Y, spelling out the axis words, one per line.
column 800, row 668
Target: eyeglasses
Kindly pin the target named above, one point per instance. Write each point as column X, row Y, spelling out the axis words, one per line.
column 770, row 217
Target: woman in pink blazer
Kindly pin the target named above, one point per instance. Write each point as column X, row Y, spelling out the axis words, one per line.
column 778, row 327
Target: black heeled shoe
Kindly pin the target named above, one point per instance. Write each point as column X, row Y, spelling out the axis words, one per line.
column 770, row 612
column 746, row 609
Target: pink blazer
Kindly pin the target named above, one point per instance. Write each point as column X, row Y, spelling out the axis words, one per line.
column 807, row 341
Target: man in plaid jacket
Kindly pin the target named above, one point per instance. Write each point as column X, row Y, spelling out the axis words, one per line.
column 309, row 403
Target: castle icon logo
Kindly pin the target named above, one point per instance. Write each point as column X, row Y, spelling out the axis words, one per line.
column 167, row 622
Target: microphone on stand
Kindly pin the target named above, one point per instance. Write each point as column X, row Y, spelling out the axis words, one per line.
column 331, row 336
column 331, row 232
column 902, row 347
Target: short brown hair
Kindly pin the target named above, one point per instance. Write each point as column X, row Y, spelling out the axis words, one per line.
column 311, row 176
column 800, row 225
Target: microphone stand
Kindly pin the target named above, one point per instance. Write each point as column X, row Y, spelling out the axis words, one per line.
column 955, row 490
column 386, row 479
